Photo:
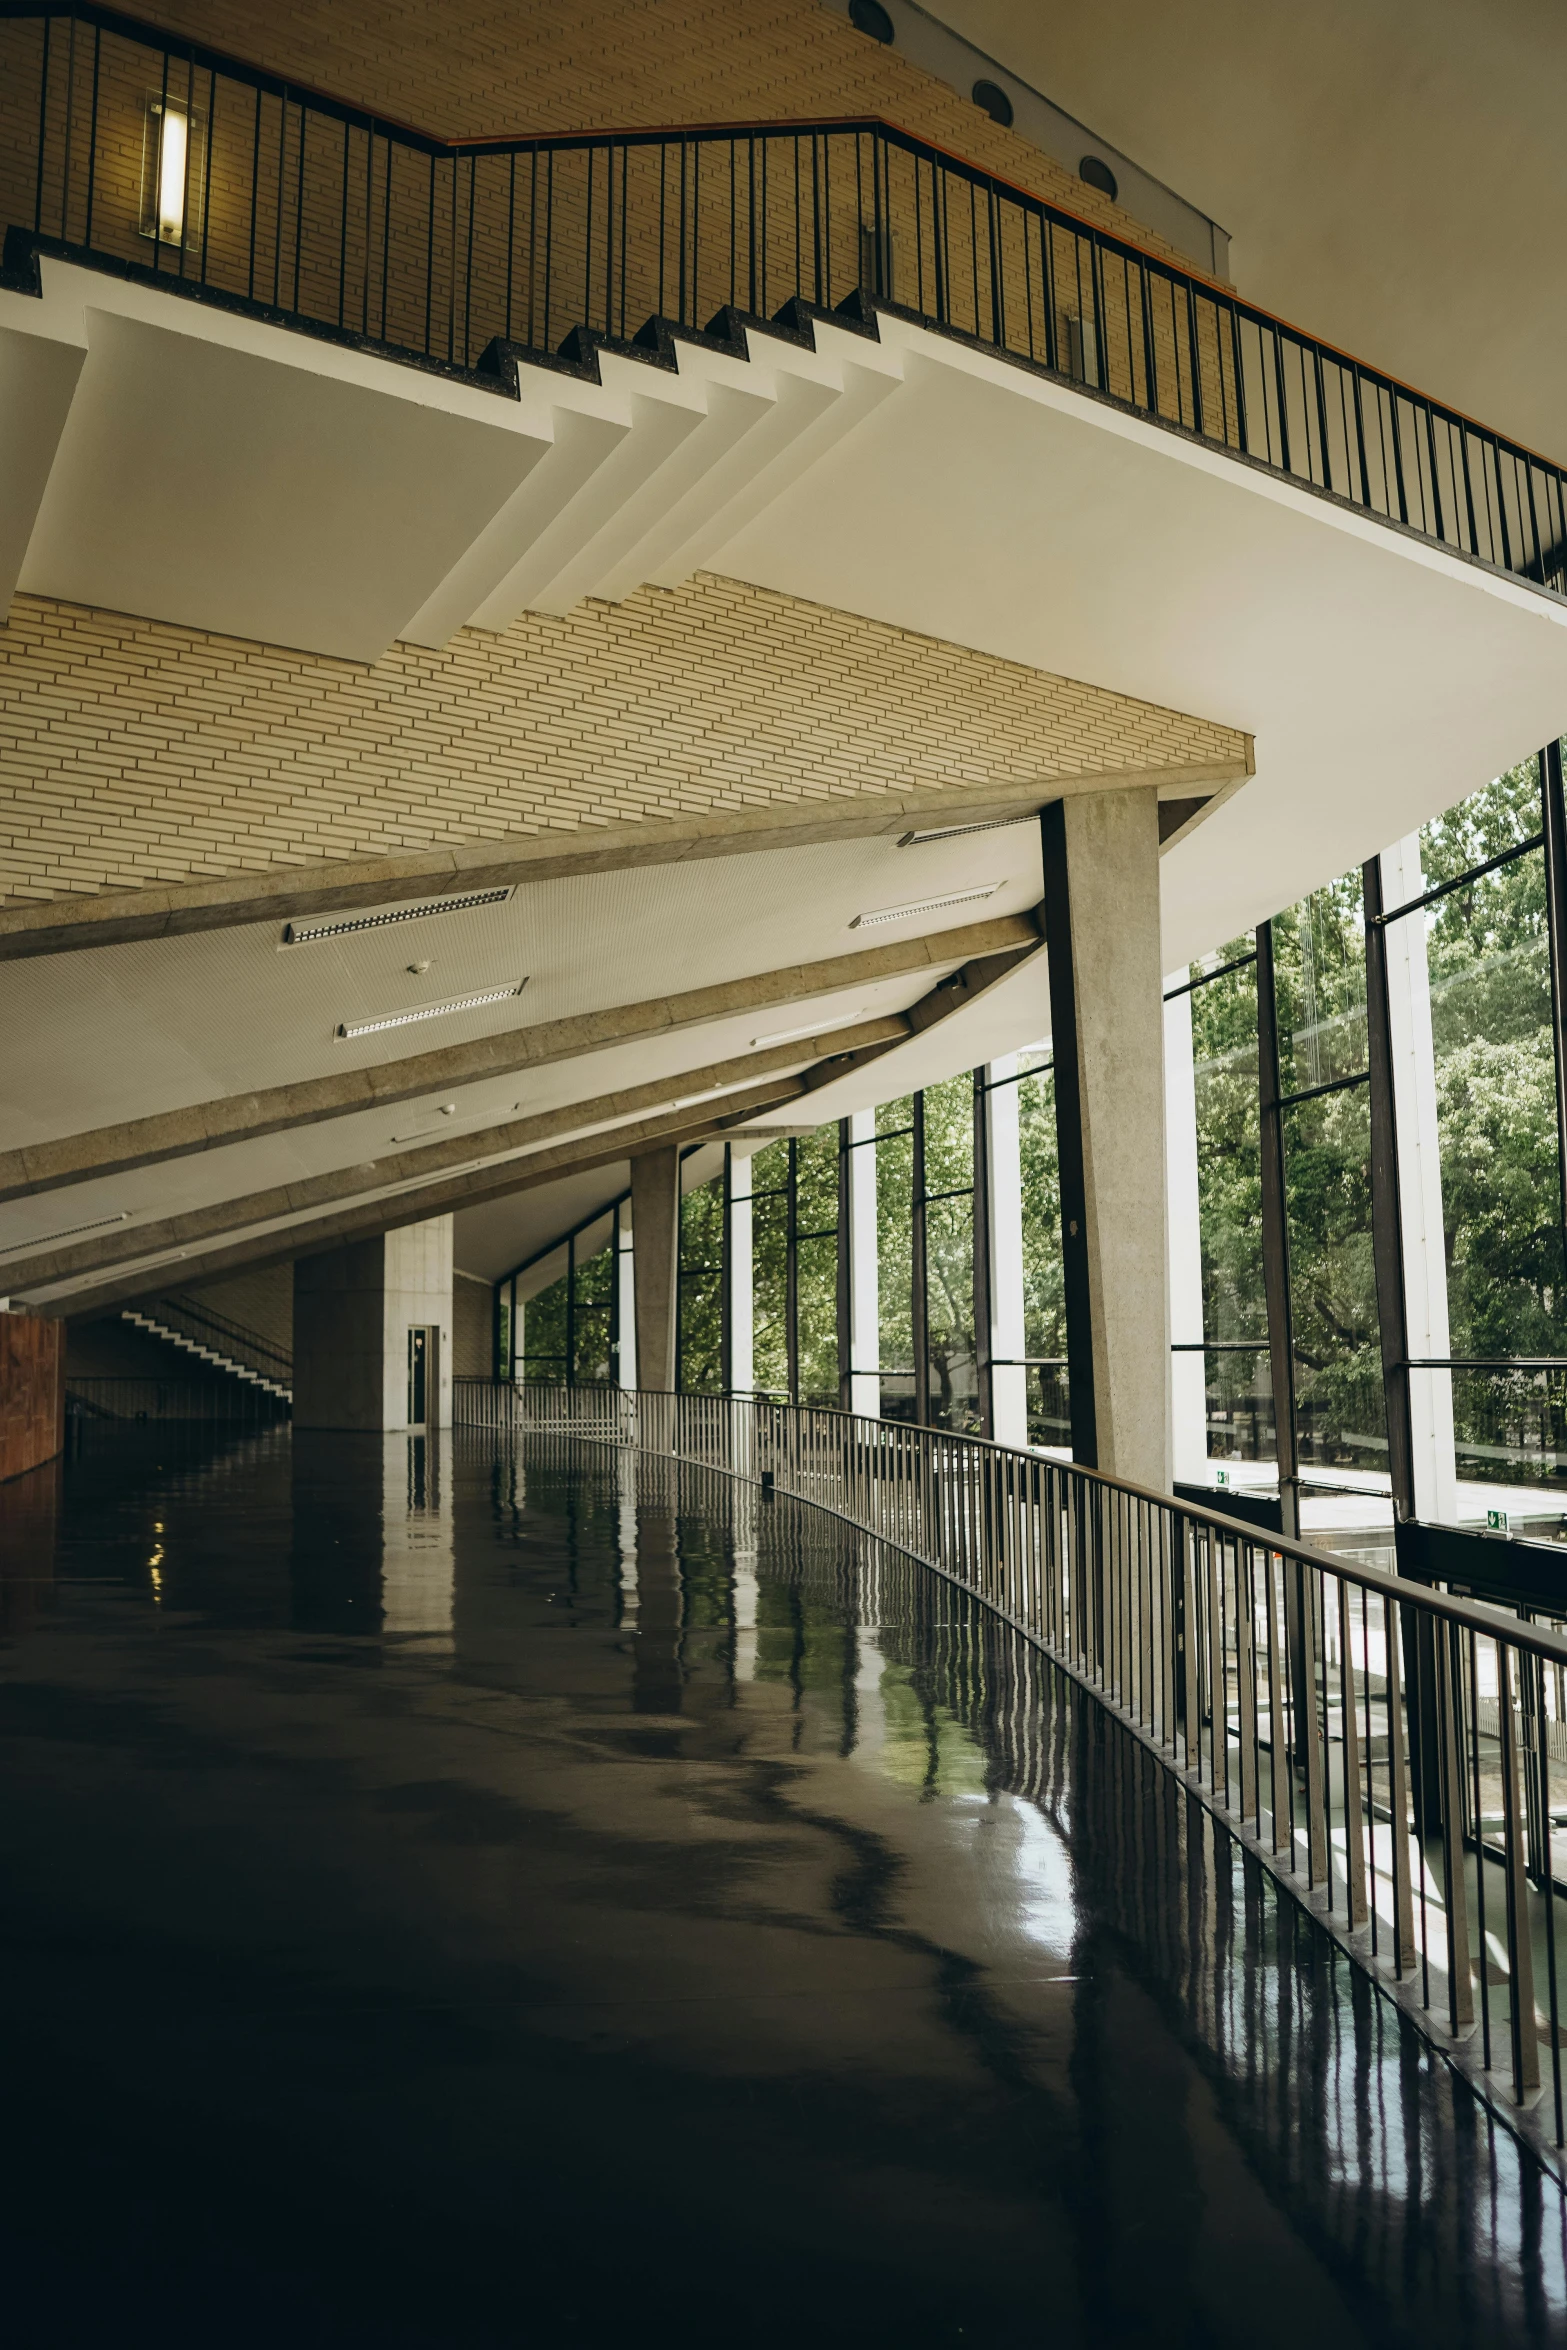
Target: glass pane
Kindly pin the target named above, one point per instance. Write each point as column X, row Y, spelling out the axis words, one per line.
column 949, row 1135
column 1319, row 954
column 701, row 1369
column 769, row 1279
column 596, row 1277
column 770, row 1168
column 1489, row 821
column 817, row 1275
column 544, row 1334
column 949, row 1281
column 1496, row 1114
column 816, row 1181
column 1240, row 1406
column 893, row 1117
column 895, row 1269
column 1044, row 1296
column 1229, row 1162
column 592, row 1336
column 1512, row 1430
column 1338, row 1363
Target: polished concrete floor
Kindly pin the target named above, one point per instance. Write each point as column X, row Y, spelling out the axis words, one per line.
column 450, row 1896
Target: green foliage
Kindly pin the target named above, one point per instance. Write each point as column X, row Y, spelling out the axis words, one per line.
column 702, row 1289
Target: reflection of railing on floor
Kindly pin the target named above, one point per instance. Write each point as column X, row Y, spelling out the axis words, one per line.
column 223, row 1400
column 1352, row 1729
column 161, row 158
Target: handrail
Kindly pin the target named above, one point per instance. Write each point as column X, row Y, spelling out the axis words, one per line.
column 470, row 254
column 1392, row 1754
column 174, row 1309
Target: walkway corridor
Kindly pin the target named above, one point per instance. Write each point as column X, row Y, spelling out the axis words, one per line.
column 472, row 1896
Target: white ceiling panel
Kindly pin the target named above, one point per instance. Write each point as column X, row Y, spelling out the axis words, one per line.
column 124, row 1031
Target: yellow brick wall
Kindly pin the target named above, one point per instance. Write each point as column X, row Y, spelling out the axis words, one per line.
column 133, row 752
column 471, row 68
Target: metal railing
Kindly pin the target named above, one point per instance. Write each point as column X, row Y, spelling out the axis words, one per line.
column 231, row 1401
column 165, row 159
column 1396, row 1756
column 200, row 1323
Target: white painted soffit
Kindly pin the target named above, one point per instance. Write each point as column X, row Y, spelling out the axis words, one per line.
column 913, row 480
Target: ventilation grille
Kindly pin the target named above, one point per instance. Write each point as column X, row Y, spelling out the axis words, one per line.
column 309, row 934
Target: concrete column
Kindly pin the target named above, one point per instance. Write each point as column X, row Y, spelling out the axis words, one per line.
column 655, row 1240
column 626, row 1295
column 864, row 1270
column 1004, row 1209
column 1183, row 1239
column 353, row 1310
column 737, row 1273
column 1102, row 915
column 1419, row 1185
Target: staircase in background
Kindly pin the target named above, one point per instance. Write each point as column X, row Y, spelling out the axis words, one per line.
column 212, row 1338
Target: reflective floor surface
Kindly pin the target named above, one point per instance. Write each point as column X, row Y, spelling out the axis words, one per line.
column 450, row 1896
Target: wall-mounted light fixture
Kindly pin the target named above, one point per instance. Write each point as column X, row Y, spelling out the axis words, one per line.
column 173, row 171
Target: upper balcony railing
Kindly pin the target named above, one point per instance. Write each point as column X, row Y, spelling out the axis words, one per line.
column 161, row 158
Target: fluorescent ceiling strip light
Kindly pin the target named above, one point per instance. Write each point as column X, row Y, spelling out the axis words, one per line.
column 456, row 1003
column 306, row 934
column 15, row 1248
column 792, row 1035
column 957, row 897
column 917, row 840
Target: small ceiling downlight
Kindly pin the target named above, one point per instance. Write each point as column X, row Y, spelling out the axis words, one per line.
column 442, row 1011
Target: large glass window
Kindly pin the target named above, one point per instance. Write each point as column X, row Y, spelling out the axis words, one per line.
column 593, row 1317
column 1319, row 954
column 895, row 1255
column 1044, row 1286
column 1237, row 1381
column 701, row 1315
column 1492, row 1033
column 545, row 1319
column 770, row 1269
column 816, row 1265
column 947, row 1116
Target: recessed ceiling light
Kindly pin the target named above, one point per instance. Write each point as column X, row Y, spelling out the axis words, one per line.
column 957, row 897
column 449, row 1110
column 456, row 1003
column 917, row 840
column 307, row 934
column 66, row 1232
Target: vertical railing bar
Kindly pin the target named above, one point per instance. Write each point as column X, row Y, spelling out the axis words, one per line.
column 92, row 142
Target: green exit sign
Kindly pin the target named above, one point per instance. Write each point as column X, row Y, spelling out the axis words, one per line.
column 1221, row 1476
column 1496, row 1521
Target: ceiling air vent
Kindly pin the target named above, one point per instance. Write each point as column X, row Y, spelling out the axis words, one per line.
column 456, row 1003
column 957, row 897
column 309, row 934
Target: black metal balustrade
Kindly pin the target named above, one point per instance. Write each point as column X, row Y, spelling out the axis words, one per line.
column 164, row 159
column 1397, row 1757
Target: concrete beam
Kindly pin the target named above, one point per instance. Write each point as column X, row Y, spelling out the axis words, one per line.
column 125, row 1244
column 67, row 925
column 247, row 1117
column 476, row 1186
